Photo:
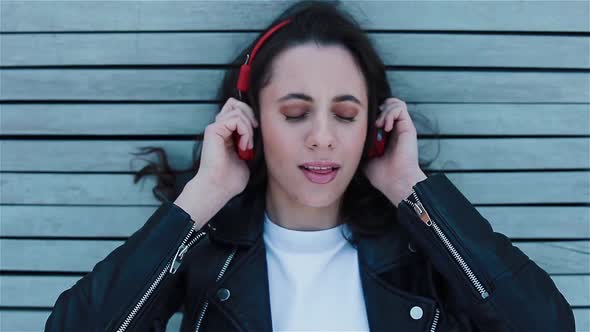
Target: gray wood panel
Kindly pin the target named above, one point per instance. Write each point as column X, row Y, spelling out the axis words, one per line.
column 119, row 189
column 72, row 221
column 114, row 119
column 582, row 317
column 397, row 49
column 563, row 257
column 43, row 291
column 191, row 119
column 458, row 86
column 30, row 321
column 451, row 154
column 235, row 15
column 523, row 222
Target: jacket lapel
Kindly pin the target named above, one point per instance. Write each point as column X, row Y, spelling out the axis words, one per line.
column 248, row 306
column 240, row 224
column 389, row 307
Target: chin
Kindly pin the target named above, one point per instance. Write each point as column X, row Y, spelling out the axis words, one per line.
column 316, row 199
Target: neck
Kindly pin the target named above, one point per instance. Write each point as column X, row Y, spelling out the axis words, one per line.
column 289, row 213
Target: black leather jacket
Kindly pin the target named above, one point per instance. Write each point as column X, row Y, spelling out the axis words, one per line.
column 445, row 272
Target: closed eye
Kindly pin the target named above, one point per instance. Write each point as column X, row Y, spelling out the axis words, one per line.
column 296, row 118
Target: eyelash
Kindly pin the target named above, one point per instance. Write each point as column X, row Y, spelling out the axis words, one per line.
column 295, row 118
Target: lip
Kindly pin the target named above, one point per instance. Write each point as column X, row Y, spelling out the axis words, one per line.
column 321, row 163
column 320, row 178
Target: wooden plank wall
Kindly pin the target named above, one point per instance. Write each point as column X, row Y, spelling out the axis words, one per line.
column 84, row 83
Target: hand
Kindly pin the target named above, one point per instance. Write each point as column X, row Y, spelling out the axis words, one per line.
column 397, row 171
column 220, row 163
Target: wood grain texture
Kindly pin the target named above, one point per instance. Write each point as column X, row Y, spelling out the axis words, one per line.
column 521, row 222
column 397, row 49
column 119, row 189
column 23, row 320
column 448, row 154
column 563, row 257
column 449, row 86
column 237, row 15
column 451, row 119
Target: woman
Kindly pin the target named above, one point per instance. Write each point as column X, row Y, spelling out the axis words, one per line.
column 313, row 233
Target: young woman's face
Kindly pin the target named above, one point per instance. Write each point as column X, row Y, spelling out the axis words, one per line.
column 322, row 85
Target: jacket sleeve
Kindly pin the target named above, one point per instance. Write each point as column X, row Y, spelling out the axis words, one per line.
column 491, row 280
column 104, row 298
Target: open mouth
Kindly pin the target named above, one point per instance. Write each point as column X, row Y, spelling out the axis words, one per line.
column 320, row 175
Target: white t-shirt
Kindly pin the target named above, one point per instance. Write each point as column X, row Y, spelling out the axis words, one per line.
column 314, row 280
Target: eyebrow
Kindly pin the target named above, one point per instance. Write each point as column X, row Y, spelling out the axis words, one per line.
column 305, row 97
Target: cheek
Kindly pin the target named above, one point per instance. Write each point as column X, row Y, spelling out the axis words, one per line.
column 354, row 139
column 277, row 141
column 268, row 130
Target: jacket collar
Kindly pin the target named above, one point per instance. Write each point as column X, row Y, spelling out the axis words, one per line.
column 241, row 221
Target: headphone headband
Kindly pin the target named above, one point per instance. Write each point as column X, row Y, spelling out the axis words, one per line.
column 244, row 75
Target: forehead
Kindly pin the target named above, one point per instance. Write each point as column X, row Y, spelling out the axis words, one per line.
column 317, row 70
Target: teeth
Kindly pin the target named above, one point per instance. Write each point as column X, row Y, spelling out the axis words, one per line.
column 318, row 168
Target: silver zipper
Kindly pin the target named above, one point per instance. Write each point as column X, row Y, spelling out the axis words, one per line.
column 206, row 303
column 170, row 267
column 435, row 320
column 421, row 211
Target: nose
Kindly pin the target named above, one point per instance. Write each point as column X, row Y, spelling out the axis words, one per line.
column 321, row 134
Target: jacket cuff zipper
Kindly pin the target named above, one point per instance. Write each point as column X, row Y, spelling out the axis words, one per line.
column 414, row 201
column 191, row 238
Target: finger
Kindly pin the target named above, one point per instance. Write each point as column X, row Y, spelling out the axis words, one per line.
column 389, row 122
column 388, row 103
column 392, row 117
column 401, row 118
column 236, row 124
column 396, row 107
column 246, row 136
column 392, row 101
column 246, row 109
column 384, row 105
column 233, row 109
column 405, row 122
column 393, row 104
column 238, row 113
column 381, row 118
column 226, row 126
column 226, row 108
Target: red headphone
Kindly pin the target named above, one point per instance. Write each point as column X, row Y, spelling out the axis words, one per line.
column 243, row 85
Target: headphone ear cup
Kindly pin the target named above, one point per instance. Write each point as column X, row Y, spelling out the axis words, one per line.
column 378, row 147
column 380, row 141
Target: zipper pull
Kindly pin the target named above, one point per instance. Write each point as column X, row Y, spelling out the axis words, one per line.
column 178, row 258
column 419, row 208
column 184, row 247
